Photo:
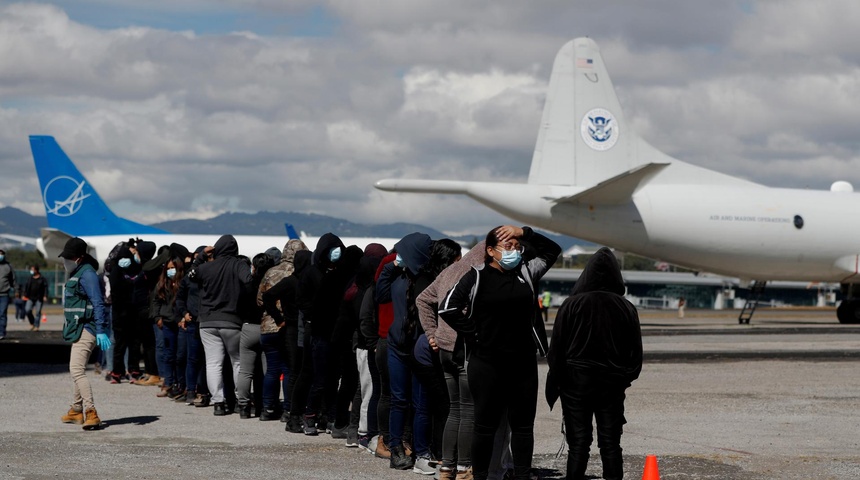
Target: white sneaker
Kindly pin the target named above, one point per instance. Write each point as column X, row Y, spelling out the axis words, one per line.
column 422, row 466
column 374, row 442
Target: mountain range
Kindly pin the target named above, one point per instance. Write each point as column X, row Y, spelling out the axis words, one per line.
column 17, row 222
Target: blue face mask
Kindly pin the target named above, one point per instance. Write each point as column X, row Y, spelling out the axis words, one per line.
column 2, row 257
column 510, row 259
column 398, row 260
column 137, row 259
column 334, row 255
column 124, row 262
column 32, row 272
column 171, row 272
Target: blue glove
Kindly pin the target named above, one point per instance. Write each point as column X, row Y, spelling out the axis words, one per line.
column 124, row 262
column 103, row 341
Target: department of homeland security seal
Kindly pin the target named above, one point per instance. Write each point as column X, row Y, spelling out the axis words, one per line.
column 599, row 129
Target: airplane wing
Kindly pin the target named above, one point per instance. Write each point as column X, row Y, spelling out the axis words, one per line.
column 618, row 189
column 18, row 239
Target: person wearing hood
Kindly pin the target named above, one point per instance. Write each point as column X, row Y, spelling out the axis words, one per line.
column 595, row 354
column 224, row 280
column 396, row 284
column 131, row 324
column 86, row 326
column 7, row 284
column 166, row 322
column 497, row 322
column 320, row 294
column 273, row 334
column 347, row 343
column 187, row 307
column 280, row 304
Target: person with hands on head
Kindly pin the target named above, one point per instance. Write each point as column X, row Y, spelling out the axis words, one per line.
column 83, row 307
column 493, row 306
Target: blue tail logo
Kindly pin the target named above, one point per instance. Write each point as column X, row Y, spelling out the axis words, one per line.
column 71, row 203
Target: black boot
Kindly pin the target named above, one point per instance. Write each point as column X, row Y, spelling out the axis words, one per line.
column 220, row 409
column 245, row 411
column 294, row 424
column 399, row 460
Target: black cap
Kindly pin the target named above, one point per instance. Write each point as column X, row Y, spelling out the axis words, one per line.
column 74, row 248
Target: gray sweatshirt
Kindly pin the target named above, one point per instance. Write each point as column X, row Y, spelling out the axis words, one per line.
column 7, row 278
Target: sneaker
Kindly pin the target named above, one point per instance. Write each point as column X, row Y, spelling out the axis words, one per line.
column 245, row 411
column 74, row 416
column 92, row 421
column 285, row 417
column 115, row 379
column 269, row 415
column 351, row 437
column 309, row 425
column 364, row 442
column 422, row 466
column 176, row 393
column 338, row 432
column 162, row 392
column 295, row 424
column 221, row 409
column 202, row 400
column 190, row 396
column 134, row 377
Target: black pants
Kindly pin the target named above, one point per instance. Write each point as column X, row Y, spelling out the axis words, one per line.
column 584, row 396
column 146, row 335
column 383, row 408
column 302, row 388
column 346, row 370
column 499, row 384
column 294, row 362
column 125, row 335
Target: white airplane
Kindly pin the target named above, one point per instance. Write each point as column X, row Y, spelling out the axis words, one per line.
column 75, row 209
column 594, row 178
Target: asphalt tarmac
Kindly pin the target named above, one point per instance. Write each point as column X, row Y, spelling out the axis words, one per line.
column 774, row 400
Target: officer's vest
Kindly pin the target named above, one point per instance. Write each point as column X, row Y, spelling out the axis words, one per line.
column 76, row 304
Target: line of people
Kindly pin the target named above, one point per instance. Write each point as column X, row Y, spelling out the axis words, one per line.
column 416, row 355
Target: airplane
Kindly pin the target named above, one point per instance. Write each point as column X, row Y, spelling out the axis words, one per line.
column 594, row 178
column 75, row 209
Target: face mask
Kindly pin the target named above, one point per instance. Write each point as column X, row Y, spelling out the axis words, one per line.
column 398, row 260
column 69, row 265
column 32, row 272
column 124, row 262
column 2, row 257
column 171, row 272
column 334, row 255
column 137, row 259
column 510, row 259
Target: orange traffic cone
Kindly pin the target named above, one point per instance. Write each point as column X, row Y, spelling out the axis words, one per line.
column 651, row 471
column 44, row 318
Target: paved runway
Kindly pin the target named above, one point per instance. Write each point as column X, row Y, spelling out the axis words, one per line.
column 792, row 416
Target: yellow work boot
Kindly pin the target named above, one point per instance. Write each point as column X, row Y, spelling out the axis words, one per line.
column 93, row 421
column 74, row 416
column 151, row 380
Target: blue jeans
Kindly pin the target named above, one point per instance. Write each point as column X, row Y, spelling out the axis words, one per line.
column 405, row 388
column 275, row 349
column 4, row 305
column 195, row 373
column 166, row 339
column 34, row 312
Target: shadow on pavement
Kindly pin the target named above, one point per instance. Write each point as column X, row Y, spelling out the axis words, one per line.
column 141, row 420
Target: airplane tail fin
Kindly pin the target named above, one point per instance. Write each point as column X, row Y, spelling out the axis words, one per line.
column 71, row 203
column 583, row 137
column 291, row 231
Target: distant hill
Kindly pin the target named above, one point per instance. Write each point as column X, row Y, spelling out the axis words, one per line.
column 18, row 222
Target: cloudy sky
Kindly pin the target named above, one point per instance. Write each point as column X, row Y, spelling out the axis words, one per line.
column 190, row 108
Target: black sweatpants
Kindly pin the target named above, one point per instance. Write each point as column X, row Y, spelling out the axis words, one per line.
column 583, row 397
column 499, row 384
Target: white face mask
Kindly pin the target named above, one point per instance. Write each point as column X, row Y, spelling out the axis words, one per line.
column 69, row 265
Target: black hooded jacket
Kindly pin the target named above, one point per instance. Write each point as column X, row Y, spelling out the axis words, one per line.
column 225, row 283
column 285, row 292
column 596, row 329
column 323, row 284
column 130, row 287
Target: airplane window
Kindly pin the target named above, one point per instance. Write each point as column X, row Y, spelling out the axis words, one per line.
column 798, row 221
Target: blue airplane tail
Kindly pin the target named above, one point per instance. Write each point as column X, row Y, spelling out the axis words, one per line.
column 71, row 203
